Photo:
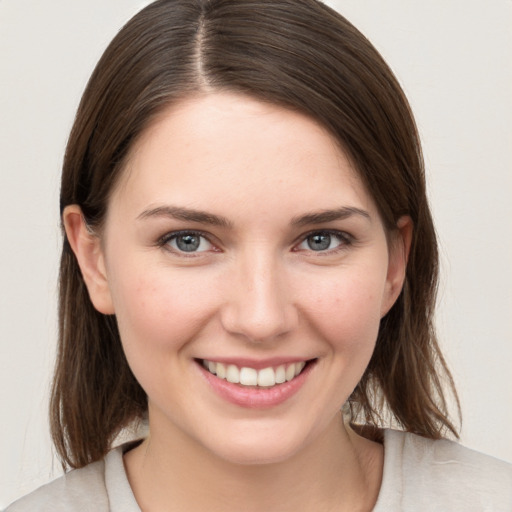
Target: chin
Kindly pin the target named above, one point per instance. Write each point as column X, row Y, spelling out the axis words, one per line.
column 267, row 446
column 256, row 455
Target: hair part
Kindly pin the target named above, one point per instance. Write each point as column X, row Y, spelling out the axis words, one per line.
column 299, row 54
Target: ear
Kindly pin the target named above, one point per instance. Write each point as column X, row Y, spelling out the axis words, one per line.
column 86, row 246
column 399, row 247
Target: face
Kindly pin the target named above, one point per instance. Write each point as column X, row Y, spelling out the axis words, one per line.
column 240, row 245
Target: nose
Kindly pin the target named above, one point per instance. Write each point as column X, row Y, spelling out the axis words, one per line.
column 259, row 307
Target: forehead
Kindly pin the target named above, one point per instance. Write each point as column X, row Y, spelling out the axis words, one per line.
column 209, row 148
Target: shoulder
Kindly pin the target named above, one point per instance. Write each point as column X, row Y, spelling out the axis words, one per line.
column 443, row 475
column 98, row 487
column 80, row 489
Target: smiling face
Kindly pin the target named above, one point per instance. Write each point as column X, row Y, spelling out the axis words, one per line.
column 240, row 245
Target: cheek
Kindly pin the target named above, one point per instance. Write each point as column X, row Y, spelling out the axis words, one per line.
column 159, row 309
column 346, row 309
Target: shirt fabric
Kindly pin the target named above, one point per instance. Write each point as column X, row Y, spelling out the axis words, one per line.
column 419, row 475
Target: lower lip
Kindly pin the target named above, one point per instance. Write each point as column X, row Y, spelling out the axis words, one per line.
column 253, row 397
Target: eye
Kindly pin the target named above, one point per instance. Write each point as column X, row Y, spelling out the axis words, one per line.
column 186, row 241
column 323, row 241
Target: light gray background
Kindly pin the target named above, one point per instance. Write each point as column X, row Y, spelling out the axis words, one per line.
column 454, row 59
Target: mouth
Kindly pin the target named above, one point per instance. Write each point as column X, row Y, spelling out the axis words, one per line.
column 249, row 377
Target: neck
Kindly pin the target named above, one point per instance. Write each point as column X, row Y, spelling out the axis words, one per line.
column 338, row 471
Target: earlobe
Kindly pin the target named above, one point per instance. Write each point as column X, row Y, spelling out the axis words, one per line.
column 400, row 245
column 86, row 246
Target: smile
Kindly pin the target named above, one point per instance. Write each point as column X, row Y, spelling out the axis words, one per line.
column 246, row 376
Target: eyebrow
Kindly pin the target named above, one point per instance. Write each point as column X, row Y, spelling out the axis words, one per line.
column 191, row 215
column 186, row 214
column 329, row 216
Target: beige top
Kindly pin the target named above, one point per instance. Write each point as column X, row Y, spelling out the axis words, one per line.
column 420, row 475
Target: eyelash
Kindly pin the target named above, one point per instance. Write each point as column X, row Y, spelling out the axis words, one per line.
column 343, row 237
column 163, row 241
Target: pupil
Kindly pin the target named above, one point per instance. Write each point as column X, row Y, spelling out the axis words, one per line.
column 319, row 242
column 188, row 243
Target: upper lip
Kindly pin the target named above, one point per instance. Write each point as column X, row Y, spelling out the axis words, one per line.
column 257, row 364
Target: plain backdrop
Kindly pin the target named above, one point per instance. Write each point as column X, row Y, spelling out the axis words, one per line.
column 454, row 60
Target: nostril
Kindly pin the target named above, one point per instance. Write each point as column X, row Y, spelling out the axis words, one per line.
column 259, row 321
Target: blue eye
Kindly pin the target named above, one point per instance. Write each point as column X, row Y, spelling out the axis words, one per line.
column 319, row 242
column 187, row 241
column 322, row 241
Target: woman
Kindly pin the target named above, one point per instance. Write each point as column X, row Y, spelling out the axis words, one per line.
column 249, row 250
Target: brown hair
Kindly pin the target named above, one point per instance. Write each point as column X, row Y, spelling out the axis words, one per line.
column 295, row 53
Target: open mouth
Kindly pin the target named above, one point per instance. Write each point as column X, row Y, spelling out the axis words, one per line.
column 250, row 377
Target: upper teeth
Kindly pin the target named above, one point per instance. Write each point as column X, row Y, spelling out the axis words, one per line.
column 251, row 377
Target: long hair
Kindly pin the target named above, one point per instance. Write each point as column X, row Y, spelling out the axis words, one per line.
column 299, row 54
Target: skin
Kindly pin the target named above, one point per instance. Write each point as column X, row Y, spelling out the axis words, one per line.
column 254, row 290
